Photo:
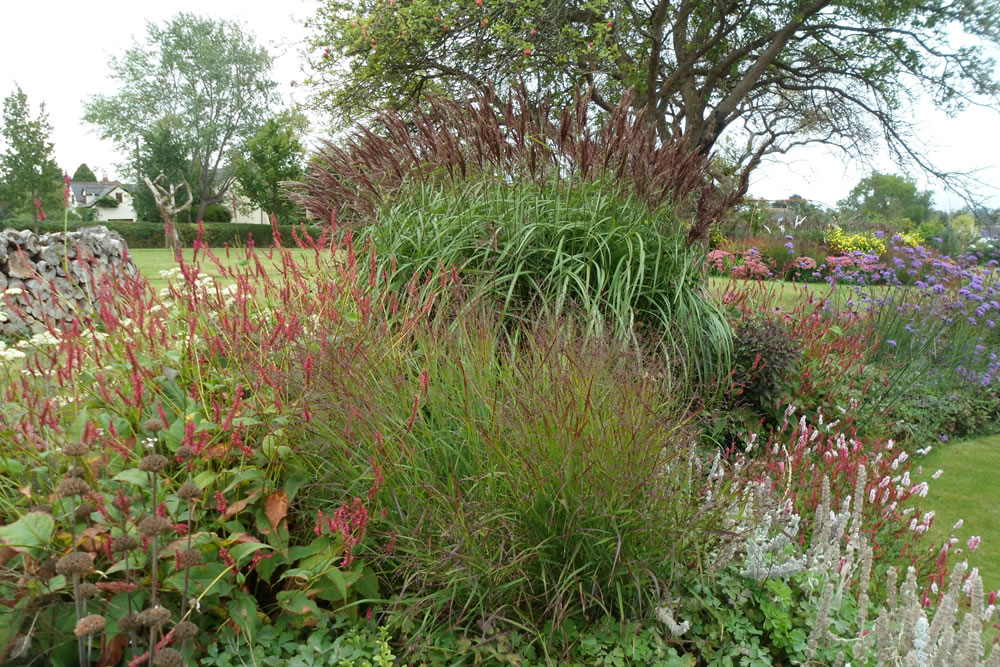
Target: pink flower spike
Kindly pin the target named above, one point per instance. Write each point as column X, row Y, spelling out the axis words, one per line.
column 974, row 542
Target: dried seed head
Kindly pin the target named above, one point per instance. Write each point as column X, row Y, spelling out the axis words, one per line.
column 153, row 463
column 190, row 557
column 47, row 570
column 154, row 424
column 189, row 492
column 154, row 617
column 75, row 449
column 77, row 471
column 84, row 510
column 72, row 486
column 184, row 452
column 185, row 630
column 89, row 591
column 75, row 563
column 167, row 657
column 152, row 526
column 124, row 543
column 89, row 625
column 129, row 622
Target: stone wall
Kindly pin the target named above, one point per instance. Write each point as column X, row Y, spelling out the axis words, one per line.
column 49, row 279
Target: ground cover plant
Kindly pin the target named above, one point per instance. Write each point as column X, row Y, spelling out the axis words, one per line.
column 144, row 473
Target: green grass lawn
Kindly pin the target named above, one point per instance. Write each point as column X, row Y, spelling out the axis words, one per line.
column 968, row 490
column 786, row 294
column 150, row 261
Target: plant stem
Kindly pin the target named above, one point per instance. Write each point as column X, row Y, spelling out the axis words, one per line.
column 80, row 645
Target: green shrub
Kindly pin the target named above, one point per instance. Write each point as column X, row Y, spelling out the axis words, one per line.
column 217, row 213
column 551, row 250
column 764, row 351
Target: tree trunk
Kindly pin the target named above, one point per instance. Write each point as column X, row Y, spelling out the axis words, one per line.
column 34, row 209
column 170, row 238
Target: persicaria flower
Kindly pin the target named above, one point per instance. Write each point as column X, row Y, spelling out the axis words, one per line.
column 117, row 586
column 974, row 542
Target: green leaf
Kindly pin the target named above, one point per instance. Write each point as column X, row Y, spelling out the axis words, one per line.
column 29, row 533
column 337, row 578
column 175, row 434
column 298, row 603
column 244, row 549
column 243, row 610
column 294, row 483
column 75, row 431
column 133, row 476
column 205, row 478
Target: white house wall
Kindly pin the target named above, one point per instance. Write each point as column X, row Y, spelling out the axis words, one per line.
column 124, row 212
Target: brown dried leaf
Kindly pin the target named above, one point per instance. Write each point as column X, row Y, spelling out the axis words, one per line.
column 276, row 508
column 239, row 505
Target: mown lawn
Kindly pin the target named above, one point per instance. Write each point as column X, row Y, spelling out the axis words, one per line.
column 153, row 260
column 150, row 261
column 967, row 490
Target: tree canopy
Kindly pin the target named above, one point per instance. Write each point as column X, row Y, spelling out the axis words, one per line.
column 162, row 152
column 84, row 173
column 207, row 79
column 28, row 169
column 739, row 79
column 270, row 158
column 888, row 199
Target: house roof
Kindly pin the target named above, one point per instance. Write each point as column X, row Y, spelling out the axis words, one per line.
column 95, row 190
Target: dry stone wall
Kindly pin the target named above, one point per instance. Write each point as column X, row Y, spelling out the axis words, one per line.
column 50, row 278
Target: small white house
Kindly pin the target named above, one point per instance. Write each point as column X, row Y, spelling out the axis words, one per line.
column 111, row 201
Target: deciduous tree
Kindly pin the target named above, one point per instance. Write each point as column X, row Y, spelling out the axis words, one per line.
column 270, row 158
column 888, row 199
column 210, row 77
column 743, row 78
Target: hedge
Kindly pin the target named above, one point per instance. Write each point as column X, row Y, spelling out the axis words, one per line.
column 150, row 234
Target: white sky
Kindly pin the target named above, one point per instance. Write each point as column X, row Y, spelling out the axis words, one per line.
column 58, row 53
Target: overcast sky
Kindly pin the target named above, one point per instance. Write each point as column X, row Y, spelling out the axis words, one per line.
column 58, row 53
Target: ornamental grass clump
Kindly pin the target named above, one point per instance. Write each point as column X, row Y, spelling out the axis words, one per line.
column 517, row 140
column 542, row 210
column 548, row 251
column 535, row 485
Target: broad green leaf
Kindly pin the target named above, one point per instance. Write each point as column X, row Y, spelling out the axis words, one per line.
column 29, row 533
column 298, row 603
column 133, row 476
column 244, row 549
